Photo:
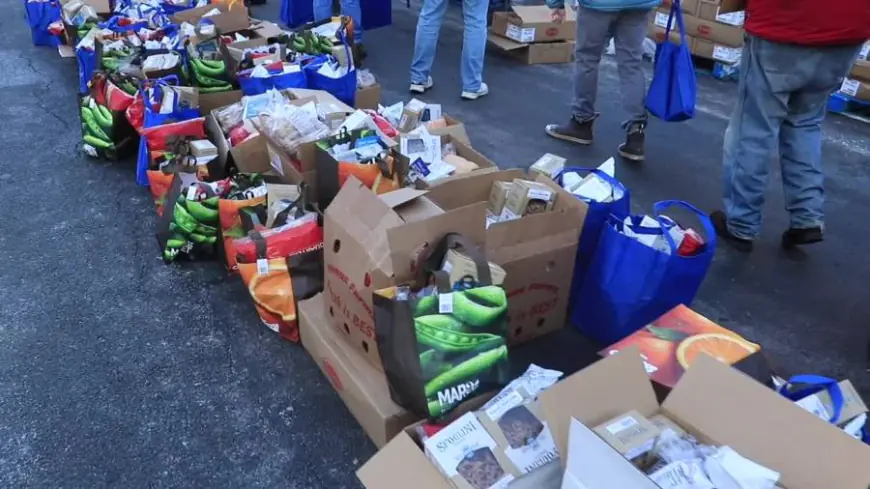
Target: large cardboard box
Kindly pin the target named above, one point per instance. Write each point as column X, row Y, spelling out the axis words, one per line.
column 689, row 7
column 657, row 34
column 362, row 387
column 536, row 53
column 368, row 97
column 856, row 88
column 713, row 31
column 861, row 71
column 712, row 10
column 537, row 251
column 714, row 402
column 532, row 24
column 369, row 243
column 231, row 19
column 717, row 52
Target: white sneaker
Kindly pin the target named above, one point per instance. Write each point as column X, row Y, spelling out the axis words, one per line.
column 422, row 87
column 483, row 90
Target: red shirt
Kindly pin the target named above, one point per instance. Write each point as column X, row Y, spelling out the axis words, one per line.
column 809, row 22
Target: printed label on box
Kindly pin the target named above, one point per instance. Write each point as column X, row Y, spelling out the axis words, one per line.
column 850, row 87
column 662, row 19
column 520, row 34
column 727, row 54
column 732, row 18
column 865, row 51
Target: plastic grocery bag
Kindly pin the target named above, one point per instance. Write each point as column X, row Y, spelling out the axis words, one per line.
column 630, row 284
column 597, row 214
column 40, row 15
column 672, row 92
column 439, row 349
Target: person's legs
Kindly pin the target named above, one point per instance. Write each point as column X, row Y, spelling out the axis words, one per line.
column 426, row 40
column 628, row 34
column 322, row 10
column 800, row 142
column 593, row 34
column 473, row 48
column 761, row 106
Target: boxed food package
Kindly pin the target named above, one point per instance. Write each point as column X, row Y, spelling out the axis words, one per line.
column 225, row 18
column 529, row 34
column 674, row 341
column 498, row 197
column 711, row 30
column 367, row 241
column 856, row 88
column 861, row 71
column 526, row 197
column 536, row 251
column 362, row 387
column 463, row 271
column 548, row 165
column 630, row 434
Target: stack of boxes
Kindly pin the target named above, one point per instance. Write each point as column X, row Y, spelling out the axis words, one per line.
column 857, row 84
column 529, row 34
column 710, row 32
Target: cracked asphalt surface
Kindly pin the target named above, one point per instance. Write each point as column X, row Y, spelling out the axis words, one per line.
column 118, row 371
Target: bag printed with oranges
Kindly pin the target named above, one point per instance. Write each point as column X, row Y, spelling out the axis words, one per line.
column 363, row 153
column 239, row 213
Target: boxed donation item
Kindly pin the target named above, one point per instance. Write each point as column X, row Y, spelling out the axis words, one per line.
column 529, row 34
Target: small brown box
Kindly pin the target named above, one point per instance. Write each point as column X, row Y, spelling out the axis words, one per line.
column 498, row 197
column 526, row 197
column 631, row 434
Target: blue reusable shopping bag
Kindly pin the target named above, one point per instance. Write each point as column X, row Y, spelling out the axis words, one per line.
column 812, row 384
column 597, row 214
column 114, row 25
column 153, row 118
column 343, row 88
column 251, row 85
column 87, row 63
column 39, row 16
column 672, row 92
column 629, row 284
column 297, row 12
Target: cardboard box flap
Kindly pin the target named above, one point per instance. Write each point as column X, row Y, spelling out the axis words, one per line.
column 537, row 14
column 469, row 188
column 505, row 43
column 401, row 464
column 607, row 388
column 401, row 196
column 723, row 404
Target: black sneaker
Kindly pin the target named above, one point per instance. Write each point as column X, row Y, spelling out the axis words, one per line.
column 573, row 131
column 632, row 148
column 720, row 222
column 795, row 237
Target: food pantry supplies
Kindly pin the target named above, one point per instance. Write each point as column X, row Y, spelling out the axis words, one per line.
column 439, row 347
column 526, row 197
column 548, row 165
column 462, row 271
column 836, row 402
column 504, row 440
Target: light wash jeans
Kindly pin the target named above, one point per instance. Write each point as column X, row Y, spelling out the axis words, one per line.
column 473, row 41
column 350, row 8
column 781, row 103
column 628, row 28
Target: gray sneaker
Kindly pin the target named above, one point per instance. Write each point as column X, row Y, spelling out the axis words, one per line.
column 417, row 87
column 483, row 90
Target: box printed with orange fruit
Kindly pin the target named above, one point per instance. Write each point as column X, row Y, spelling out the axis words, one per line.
column 361, row 153
column 672, row 342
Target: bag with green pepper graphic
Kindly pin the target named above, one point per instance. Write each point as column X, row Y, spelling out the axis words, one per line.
column 441, row 347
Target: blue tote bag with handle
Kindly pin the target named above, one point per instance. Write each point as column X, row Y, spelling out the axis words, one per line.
column 597, row 214
column 811, row 384
column 39, row 16
column 343, row 87
column 672, row 92
column 629, row 284
column 278, row 80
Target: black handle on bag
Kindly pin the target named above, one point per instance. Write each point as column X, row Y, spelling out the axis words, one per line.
column 433, row 261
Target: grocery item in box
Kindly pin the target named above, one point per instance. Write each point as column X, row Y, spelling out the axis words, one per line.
column 463, row 271
column 526, row 197
column 498, row 197
column 630, row 434
column 548, row 165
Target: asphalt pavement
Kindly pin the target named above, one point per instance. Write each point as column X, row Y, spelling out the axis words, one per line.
column 119, row 371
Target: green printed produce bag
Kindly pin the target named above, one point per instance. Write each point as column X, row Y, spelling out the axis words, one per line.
column 440, row 347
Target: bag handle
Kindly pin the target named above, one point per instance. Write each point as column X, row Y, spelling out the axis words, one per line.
column 815, row 384
column 595, row 171
column 434, row 259
column 709, row 231
column 676, row 11
column 168, row 81
column 297, row 206
column 341, row 33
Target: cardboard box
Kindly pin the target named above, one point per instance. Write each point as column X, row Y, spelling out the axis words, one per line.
column 463, row 150
column 861, row 71
column 498, row 197
column 368, row 242
column 533, row 24
column 717, row 52
column 714, row 402
column 368, row 97
column 856, row 88
column 822, row 405
column 549, row 165
column 229, row 20
column 670, row 344
column 459, row 266
column 537, row 53
column 711, row 10
column 728, row 6
column 363, row 388
column 630, row 434
column 211, row 101
column 719, row 405
column 537, row 252
column 265, row 29
column 657, row 34
column 713, row 31
column 527, row 197
column 452, row 127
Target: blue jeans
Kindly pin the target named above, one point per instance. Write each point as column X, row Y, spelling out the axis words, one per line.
column 781, row 103
column 473, row 41
column 350, row 8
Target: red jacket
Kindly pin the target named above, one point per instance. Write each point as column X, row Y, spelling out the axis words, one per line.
column 809, row 22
